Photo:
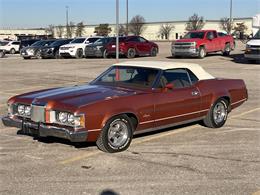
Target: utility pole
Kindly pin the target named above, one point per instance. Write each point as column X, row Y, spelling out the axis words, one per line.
column 126, row 17
column 117, row 29
column 67, row 20
column 230, row 12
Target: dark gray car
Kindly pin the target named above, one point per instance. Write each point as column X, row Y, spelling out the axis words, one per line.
column 98, row 48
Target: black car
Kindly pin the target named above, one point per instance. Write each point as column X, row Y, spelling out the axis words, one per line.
column 35, row 49
column 27, row 42
column 52, row 51
column 97, row 48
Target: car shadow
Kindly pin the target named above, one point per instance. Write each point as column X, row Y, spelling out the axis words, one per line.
column 239, row 58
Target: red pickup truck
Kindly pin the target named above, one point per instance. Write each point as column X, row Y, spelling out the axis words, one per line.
column 199, row 43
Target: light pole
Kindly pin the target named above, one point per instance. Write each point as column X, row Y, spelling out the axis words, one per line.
column 230, row 12
column 67, row 20
column 117, row 29
column 126, row 17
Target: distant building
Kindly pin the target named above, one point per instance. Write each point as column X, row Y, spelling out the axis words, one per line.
column 151, row 30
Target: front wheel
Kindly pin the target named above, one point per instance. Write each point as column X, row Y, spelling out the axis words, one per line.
column 12, row 51
column 116, row 135
column 38, row 55
column 131, row 53
column 217, row 115
column 2, row 54
column 202, row 52
column 153, row 52
column 79, row 53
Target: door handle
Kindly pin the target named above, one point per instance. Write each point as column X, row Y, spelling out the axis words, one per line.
column 194, row 93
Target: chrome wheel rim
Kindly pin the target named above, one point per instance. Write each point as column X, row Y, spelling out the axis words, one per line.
column 219, row 113
column 131, row 53
column 202, row 53
column 117, row 133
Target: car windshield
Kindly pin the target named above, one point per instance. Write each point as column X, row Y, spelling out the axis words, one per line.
column 58, row 42
column 3, row 43
column 120, row 39
column 92, row 40
column 257, row 35
column 39, row 43
column 124, row 76
column 78, row 40
column 102, row 41
column 194, row 35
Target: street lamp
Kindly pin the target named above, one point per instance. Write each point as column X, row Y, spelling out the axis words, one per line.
column 230, row 12
column 117, row 30
column 126, row 17
column 67, row 20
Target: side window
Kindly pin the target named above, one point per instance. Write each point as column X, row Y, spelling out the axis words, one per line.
column 142, row 40
column 16, row 43
column 193, row 77
column 178, row 77
column 134, row 39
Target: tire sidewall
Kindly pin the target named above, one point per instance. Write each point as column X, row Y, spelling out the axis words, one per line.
column 129, row 51
column 129, row 125
column 153, row 52
column 200, row 52
column 79, row 53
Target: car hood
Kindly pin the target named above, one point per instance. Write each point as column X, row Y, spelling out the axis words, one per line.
column 73, row 44
column 75, row 96
column 32, row 47
column 187, row 40
column 253, row 42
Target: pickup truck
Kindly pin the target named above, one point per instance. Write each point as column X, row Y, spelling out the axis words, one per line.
column 200, row 42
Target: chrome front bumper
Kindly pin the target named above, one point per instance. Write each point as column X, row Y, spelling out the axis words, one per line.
column 184, row 52
column 43, row 130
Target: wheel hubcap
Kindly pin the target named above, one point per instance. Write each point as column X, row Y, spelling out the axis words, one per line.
column 117, row 133
column 219, row 113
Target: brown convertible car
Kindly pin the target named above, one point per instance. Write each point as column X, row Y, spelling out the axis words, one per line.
column 128, row 98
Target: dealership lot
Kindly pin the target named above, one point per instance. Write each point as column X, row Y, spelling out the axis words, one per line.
column 188, row 159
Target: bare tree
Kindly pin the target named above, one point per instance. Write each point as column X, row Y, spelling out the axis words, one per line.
column 50, row 30
column 240, row 29
column 79, row 29
column 226, row 25
column 122, row 30
column 136, row 25
column 195, row 23
column 165, row 30
column 70, row 29
column 102, row 30
column 59, row 30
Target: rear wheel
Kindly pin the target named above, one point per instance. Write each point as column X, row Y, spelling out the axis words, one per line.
column 153, row 52
column 202, row 52
column 131, row 53
column 79, row 53
column 12, row 51
column 105, row 54
column 217, row 115
column 227, row 49
column 116, row 135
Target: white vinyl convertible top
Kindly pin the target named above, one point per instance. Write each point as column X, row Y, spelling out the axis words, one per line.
column 163, row 65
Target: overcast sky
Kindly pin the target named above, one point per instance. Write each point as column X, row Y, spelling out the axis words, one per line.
column 41, row 13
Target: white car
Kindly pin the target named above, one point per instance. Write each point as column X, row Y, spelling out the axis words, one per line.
column 10, row 46
column 76, row 48
column 252, row 52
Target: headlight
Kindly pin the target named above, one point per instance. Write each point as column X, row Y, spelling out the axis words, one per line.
column 70, row 119
column 248, row 46
column 21, row 109
column 63, row 117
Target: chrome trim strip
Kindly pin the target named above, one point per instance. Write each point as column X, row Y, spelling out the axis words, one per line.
column 94, row 130
column 239, row 101
column 166, row 118
column 167, row 126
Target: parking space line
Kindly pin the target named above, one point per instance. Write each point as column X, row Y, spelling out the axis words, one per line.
column 244, row 113
column 77, row 158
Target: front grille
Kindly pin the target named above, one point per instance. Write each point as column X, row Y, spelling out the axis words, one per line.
column 183, row 43
column 64, row 48
column 255, row 46
column 38, row 113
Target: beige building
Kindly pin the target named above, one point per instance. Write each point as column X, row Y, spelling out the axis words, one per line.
column 151, row 30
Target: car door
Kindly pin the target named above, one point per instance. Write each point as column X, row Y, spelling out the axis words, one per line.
column 212, row 42
column 144, row 45
column 181, row 102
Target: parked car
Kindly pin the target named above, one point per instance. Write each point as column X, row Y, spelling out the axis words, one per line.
column 11, row 47
column 76, row 48
column 131, row 46
column 252, row 52
column 35, row 49
column 201, row 42
column 128, row 98
column 27, row 42
column 98, row 48
column 2, row 53
column 52, row 51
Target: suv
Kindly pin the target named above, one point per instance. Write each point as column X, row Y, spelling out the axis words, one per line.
column 35, row 49
column 97, row 49
column 252, row 53
column 11, row 47
column 131, row 46
column 52, row 51
column 76, row 48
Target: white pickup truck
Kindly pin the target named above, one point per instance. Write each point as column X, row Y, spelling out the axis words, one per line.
column 76, row 48
column 252, row 52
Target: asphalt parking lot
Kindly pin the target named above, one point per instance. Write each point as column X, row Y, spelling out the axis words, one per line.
column 187, row 159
